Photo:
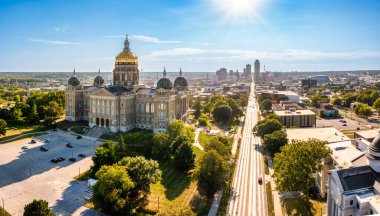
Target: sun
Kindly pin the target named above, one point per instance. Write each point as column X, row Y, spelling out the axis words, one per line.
column 237, row 9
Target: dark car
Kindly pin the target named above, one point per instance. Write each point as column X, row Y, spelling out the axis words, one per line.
column 61, row 158
column 72, row 159
column 42, row 148
column 69, row 145
column 33, row 141
column 79, row 137
column 344, row 124
column 82, row 155
column 55, row 160
column 260, row 181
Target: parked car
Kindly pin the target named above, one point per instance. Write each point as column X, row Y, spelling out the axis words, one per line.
column 43, row 148
column 344, row 124
column 47, row 141
column 33, row 141
column 61, row 158
column 79, row 137
column 72, row 159
column 24, row 147
column 82, row 155
column 57, row 160
column 69, row 145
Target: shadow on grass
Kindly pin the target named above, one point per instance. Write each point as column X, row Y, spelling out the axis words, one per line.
column 174, row 181
column 300, row 207
column 200, row 205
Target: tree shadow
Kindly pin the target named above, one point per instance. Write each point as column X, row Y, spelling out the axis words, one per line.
column 174, row 181
column 200, row 205
column 301, row 206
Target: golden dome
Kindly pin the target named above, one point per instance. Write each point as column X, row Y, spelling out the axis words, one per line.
column 126, row 56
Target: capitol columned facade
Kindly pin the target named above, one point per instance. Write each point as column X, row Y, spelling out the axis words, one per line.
column 127, row 104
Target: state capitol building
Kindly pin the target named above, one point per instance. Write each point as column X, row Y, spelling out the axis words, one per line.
column 127, row 104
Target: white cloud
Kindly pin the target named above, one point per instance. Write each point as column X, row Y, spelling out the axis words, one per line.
column 149, row 39
column 249, row 54
column 53, row 42
column 61, row 28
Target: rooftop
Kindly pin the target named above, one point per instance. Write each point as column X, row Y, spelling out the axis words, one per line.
column 297, row 112
column 343, row 153
column 368, row 134
column 329, row 134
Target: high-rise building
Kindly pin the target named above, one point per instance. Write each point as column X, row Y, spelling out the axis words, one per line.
column 248, row 70
column 221, row 74
column 257, row 70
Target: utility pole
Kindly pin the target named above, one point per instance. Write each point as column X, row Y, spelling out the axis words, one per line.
column 3, row 205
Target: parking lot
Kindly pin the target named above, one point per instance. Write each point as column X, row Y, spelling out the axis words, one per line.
column 338, row 124
column 27, row 174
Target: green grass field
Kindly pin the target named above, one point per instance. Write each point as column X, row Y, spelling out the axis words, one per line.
column 3, row 212
column 304, row 207
column 14, row 131
column 270, row 204
column 176, row 190
column 79, row 129
column 204, row 138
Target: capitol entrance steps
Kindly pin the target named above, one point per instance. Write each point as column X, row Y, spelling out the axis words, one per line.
column 97, row 131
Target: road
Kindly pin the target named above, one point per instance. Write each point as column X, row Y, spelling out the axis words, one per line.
column 247, row 195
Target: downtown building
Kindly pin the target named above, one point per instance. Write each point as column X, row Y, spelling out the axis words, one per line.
column 126, row 104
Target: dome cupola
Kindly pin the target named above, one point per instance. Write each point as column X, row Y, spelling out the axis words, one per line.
column 373, row 154
column 74, row 81
column 164, row 83
column 126, row 56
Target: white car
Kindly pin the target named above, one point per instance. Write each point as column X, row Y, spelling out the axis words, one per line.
column 24, row 147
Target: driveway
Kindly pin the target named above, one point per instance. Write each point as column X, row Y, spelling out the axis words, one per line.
column 28, row 174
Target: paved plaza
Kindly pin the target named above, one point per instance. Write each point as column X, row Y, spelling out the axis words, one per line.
column 27, row 174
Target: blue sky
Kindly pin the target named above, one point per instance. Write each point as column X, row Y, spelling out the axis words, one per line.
column 197, row 35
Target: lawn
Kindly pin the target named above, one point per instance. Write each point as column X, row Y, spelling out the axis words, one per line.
column 64, row 125
column 204, row 138
column 14, row 131
column 3, row 212
column 304, row 207
column 176, row 190
column 270, row 204
column 79, row 129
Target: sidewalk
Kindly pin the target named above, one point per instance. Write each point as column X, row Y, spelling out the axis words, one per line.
column 276, row 196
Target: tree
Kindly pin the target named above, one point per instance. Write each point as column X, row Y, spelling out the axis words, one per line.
column 236, row 111
column 16, row 115
column 53, row 109
column 336, row 101
column 376, row 104
column 112, row 190
column 121, row 148
column 220, row 146
column 197, row 108
column 295, row 165
column 174, row 129
column 3, row 126
column 143, row 173
column 363, row 110
column 184, row 157
column 265, row 105
column 48, row 122
column 274, row 141
column 182, row 139
column 33, row 116
column 161, row 146
column 211, row 173
column 37, row 208
column 203, row 120
column 267, row 126
column 105, row 154
column 222, row 113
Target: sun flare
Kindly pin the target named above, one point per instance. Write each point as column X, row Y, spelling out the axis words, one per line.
column 238, row 9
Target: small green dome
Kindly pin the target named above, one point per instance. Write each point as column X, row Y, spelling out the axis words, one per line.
column 180, row 81
column 98, row 80
column 74, row 81
column 164, row 83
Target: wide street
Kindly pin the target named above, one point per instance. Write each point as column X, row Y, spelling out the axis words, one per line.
column 27, row 174
column 248, row 196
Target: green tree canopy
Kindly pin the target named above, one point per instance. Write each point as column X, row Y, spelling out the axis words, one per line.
column 142, row 172
column 105, row 154
column 3, row 126
column 220, row 145
column 222, row 113
column 336, row 101
column 161, row 146
column 274, row 141
column 265, row 105
column 267, row 126
column 37, row 208
column 211, row 173
column 184, row 157
column 112, row 190
column 295, row 165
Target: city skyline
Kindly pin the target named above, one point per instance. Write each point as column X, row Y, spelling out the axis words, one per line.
column 199, row 35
